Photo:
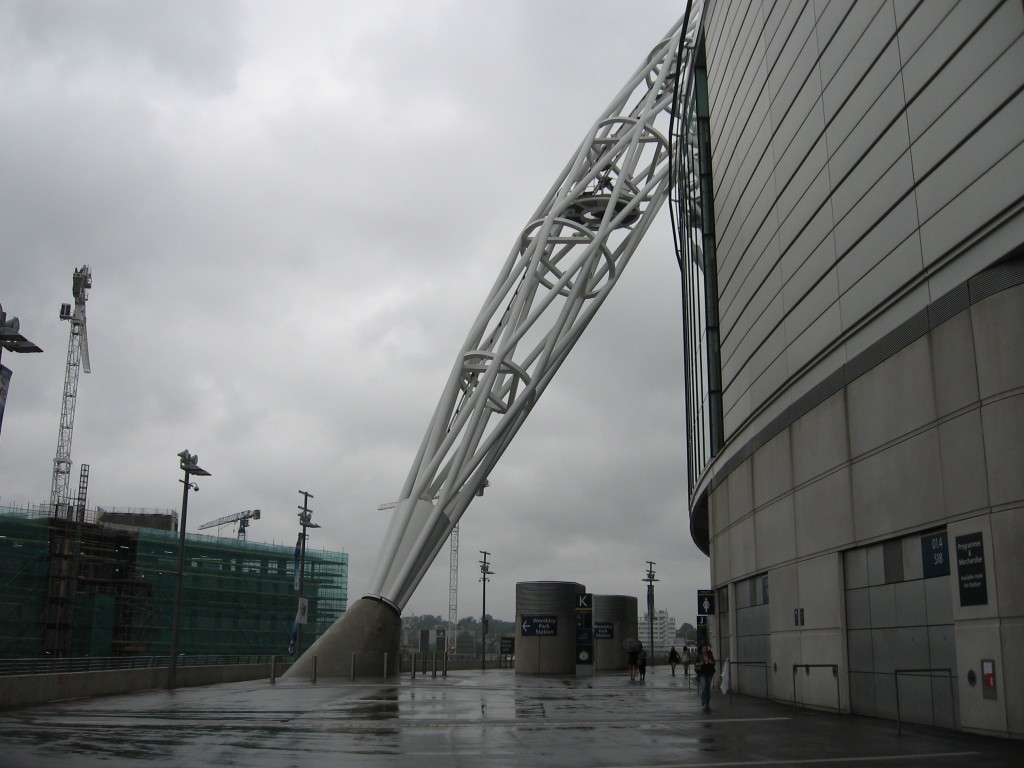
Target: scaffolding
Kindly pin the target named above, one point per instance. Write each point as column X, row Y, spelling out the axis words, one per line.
column 93, row 586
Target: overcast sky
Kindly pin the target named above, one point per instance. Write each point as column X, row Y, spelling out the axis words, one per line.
column 292, row 213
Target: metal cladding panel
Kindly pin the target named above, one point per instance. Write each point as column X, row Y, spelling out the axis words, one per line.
column 615, row 621
column 844, row 89
column 552, row 606
column 543, row 597
column 615, row 608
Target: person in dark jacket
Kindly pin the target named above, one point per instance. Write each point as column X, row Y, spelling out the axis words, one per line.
column 673, row 659
column 704, row 668
column 633, row 658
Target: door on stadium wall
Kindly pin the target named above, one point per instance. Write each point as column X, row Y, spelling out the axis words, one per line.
column 753, row 637
column 899, row 616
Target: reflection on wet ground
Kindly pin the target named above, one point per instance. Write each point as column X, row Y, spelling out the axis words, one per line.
column 482, row 719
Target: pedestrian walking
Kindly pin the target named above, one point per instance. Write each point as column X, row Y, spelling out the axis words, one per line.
column 673, row 659
column 687, row 661
column 704, row 668
column 633, row 659
column 642, row 664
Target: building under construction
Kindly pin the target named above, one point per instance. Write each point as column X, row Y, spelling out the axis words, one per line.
column 99, row 583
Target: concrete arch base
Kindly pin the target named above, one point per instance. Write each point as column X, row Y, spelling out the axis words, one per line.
column 362, row 643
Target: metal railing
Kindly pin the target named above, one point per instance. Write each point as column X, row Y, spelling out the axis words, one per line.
column 922, row 673
column 61, row 665
column 807, row 670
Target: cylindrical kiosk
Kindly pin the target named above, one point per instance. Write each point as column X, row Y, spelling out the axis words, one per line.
column 615, row 622
column 546, row 627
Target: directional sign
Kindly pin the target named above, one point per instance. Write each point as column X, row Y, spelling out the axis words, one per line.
column 970, row 566
column 705, row 602
column 584, row 630
column 539, row 626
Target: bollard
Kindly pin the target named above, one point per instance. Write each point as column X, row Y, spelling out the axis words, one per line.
column 314, row 670
column 353, row 665
column 434, row 665
column 412, row 666
column 273, row 670
column 385, row 665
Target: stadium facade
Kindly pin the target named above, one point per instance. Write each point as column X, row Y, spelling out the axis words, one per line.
column 849, row 210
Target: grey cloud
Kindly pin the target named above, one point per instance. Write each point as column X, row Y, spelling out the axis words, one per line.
column 292, row 216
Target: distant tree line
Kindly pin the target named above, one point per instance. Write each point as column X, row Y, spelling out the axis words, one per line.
column 688, row 633
column 468, row 630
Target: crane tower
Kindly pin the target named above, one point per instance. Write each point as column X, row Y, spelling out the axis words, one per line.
column 242, row 518
column 78, row 359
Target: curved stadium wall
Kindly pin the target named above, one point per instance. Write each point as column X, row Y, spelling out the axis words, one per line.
column 850, row 213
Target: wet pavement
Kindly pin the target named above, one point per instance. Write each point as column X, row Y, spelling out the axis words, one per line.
column 478, row 719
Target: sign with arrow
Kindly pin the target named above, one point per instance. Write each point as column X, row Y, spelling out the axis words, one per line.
column 705, row 602
column 539, row 626
column 584, row 630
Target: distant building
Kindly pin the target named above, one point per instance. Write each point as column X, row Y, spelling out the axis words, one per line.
column 664, row 632
column 104, row 586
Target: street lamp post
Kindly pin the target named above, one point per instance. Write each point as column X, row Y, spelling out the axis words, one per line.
column 485, row 571
column 10, row 335
column 190, row 465
column 305, row 521
column 650, row 608
column 11, row 340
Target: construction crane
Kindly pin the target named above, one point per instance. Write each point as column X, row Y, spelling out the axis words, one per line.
column 78, row 359
column 453, row 591
column 242, row 518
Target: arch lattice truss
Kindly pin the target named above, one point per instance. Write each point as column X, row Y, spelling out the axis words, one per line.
column 559, row 272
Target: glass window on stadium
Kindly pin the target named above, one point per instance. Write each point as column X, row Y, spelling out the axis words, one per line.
column 695, row 248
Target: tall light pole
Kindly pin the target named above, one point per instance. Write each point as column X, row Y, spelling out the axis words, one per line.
column 305, row 521
column 485, row 571
column 12, row 340
column 190, row 465
column 650, row 607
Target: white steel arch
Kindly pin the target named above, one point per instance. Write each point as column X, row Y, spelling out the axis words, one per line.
column 558, row 273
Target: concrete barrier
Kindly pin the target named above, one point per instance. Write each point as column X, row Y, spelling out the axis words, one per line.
column 18, row 691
